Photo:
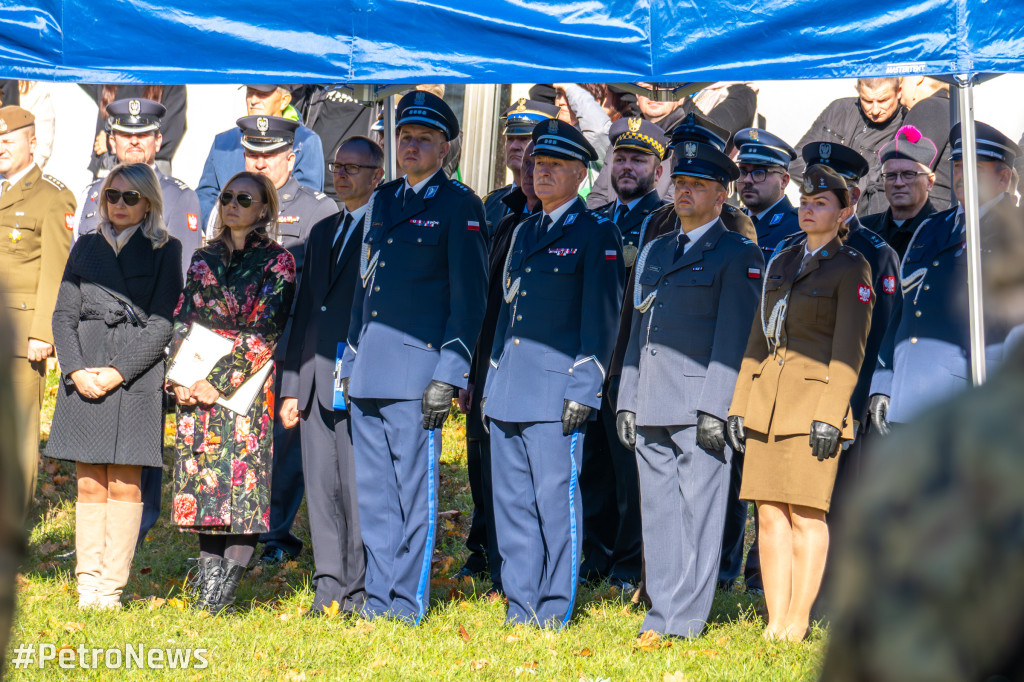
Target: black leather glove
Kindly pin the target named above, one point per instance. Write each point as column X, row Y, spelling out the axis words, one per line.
column 710, row 432
column 437, row 403
column 483, row 417
column 574, row 416
column 878, row 408
column 625, row 426
column 735, row 434
column 824, row 440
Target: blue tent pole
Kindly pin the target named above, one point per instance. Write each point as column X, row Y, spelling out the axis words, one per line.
column 972, row 211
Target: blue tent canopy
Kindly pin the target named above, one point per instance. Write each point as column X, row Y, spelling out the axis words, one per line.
column 503, row 41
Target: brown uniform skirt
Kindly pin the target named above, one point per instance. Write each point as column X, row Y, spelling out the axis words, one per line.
column 782, row 469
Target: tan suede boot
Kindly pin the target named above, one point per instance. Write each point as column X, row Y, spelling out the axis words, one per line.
column 90, row 534
column 123, row 521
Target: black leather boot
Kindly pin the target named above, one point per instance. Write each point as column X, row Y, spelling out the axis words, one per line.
column 231, row 574
column 211, row 574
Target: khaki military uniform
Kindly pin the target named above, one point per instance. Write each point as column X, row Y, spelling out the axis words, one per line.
column 808, row 376
column 36, row 218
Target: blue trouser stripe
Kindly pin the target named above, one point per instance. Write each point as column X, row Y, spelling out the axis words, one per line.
column 574, row 569
column 428, row 548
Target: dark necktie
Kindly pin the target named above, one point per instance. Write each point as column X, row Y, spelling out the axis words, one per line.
column 540, row 229
column 620, row 213
column 339, row 242
column 804, row 261
column 681, row 241
column 410, row 193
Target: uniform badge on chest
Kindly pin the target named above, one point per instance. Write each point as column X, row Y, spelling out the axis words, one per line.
column 425, row 223
column 562, row 252
column 15, row 236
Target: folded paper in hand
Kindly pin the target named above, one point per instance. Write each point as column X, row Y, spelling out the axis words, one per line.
column 200, row 350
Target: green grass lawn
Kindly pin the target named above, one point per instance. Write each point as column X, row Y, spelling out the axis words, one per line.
column 462, row 636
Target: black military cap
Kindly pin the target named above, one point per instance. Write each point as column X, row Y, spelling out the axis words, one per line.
column 427, row 109
column 820, row 178
column 266, row 133
column 696, row 128
column 839, row 158
column 702, row 160
column 759, row 147
column 911, row 145
column 13, row 117
column 639, row 134
column 521, row 117
column 562, row 141
column 134, row 115
column 992, row 144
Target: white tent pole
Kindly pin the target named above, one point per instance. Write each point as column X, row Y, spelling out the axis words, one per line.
column 390, row 165
column 965, row 91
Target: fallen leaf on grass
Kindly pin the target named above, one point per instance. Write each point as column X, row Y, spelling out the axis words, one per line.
column 294, row 676
column 51, row 467
column 723, row 640
column 156, row 602
column 47, row 566
column 443, row 565
column 48, row 547
column 649, row 640
column 451, row 514
column 176, row 603
column 61, row 479
column 479, row 664
column 512, row 639
column 48, row 490
column 464, row 633
column 710, row 653
column 379, row 663
column 677, row 676
column 72, row 626
column 528, row 668
column 584, row 653
column 332, row 610
column 145, row 570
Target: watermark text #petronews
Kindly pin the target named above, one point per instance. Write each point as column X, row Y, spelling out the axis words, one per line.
column 45, row 654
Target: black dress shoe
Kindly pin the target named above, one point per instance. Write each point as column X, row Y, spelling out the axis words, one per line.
column 275, row 556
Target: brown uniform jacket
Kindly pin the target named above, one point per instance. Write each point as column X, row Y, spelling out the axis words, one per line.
column 812, row 373
column 662, row 221
column 36, row 218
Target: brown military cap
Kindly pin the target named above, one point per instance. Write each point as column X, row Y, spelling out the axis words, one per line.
column 819, row 178
column 14, row 118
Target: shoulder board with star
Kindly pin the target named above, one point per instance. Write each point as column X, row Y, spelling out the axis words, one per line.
column 500, row 191
column 872, row 237
column 54, row 181
column 320, row 196
column 738, row 237
column 459, row 186
column 182, row 185
column 850, row 251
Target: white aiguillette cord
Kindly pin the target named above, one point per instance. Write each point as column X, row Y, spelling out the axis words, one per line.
column 367, row 266
column 772, row 327
column 510, row 289
column 642, row 305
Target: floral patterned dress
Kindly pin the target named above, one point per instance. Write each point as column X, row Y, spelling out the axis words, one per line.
column 222, row 459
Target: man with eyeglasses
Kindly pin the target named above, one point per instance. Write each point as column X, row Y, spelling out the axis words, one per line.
column 763, row 161
column 134, row 126
column 36, row 217
column 268, row 142
column 907, row 163
column 309, row 383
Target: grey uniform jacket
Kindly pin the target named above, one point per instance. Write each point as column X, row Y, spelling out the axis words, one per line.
column 684, row 352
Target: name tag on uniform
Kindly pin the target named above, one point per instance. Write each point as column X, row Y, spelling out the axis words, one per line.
column 288, row 219
column 339, row 393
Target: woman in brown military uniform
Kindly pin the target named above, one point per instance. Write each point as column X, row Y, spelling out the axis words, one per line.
column 791, row 406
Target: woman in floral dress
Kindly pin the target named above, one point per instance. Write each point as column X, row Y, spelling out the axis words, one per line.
column 241, row 286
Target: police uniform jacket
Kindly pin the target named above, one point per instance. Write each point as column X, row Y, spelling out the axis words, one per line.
column 779, row 222
column 631, row 223
column 554, row 340
column 227, row 157
column 812, row 373
column 495, row 207
column 181, row 214
column 301, row 208
column 662, row 221
column 925, row 355
column 897, row 236
column 323, row 310
column 419, row 312
column 515, row 202
column 685, row 350
column 36, row 217
column 885, row 268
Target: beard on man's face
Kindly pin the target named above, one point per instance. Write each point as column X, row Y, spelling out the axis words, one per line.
column 632, row 186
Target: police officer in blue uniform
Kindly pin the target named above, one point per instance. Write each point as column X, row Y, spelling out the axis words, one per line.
column 134, row 126
column 519, row 120
column 695, row 293
column 415, row 318
column 763, row 160
column 562, row 285
column 925, row 356
column 608, row 480
column 267, row 143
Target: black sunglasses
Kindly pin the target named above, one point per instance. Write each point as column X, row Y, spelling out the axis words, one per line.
column 131, row 197
column 244, row 199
